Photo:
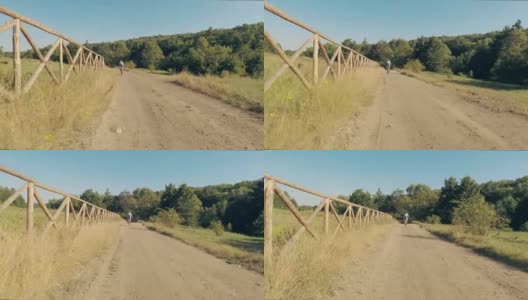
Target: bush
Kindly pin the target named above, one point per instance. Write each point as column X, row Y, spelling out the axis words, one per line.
column 217, row 227
column 475, row 216
column 433, row 219
column 524, row 227
column 168, row 217
column 130, row 65
column 229, row 227
column 414, row 65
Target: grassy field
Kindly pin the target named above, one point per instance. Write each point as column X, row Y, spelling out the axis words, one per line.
column 52, row 116
column 497, row 96
column 507, row 246
column 296, row 118
column 232, row 247
column 41, row 268
column 312, row 268
column 242, row 92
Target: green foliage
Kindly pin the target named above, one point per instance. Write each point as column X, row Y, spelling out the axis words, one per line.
column 437, row 56
column 239, row 50
column 167, row 217
column 452, row 193
column 6, row 192
column 54, row 203
column 401, row 52
column 130, row 65
column 433, row 219
column 93, row 197
column 512, row 61
column 188, row 206
column 363, row 198
column 217, row 227
column 524, row 227
column 475, row 216
column 414, row 65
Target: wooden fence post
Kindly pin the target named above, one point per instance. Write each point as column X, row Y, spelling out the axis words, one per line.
column 326, row 211
column 269, row 196
column 17, row 65
column 30, row 204
column 350, row 217
column 61, row 60
column 67, row 218
column 316, row 60
column 338, row 62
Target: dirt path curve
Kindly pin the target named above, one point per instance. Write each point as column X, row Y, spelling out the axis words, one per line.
column 411, row 114
column 413, row 264
column 148, row 265
column 154, row 113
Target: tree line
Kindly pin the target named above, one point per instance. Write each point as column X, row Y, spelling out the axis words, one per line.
column 238, row 207
column 506, row 200
column 497, row 56
column 237, row 50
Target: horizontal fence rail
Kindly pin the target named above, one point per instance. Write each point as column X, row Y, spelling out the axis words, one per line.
column 84, row 59
column 355, row 216
column 343, row 60
column 86, row 214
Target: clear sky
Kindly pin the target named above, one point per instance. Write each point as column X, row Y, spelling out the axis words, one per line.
column 109, row 20
column 385, row 20
column 76, row 171
column 342, row 172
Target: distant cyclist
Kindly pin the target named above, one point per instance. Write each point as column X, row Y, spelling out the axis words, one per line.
column 388, row 64
column 406, row 218
column 129, row 217
column 121, row 67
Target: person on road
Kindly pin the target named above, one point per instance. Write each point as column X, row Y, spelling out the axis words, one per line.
column 129, row 217
column 406, row 218
column 388, row 64
column 121, row 67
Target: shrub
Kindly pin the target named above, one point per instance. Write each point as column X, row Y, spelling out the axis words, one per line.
column 225, row 74
column 475, row 216
column 524, row 227
column 229, row 227
column 433, row 219
column 414, row 65
column 217, row 227
column 130, row 65
column 168, row 217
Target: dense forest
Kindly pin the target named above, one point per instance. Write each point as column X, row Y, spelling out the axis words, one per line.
column 237, row 50
column 507, row 198
column 498, row 56
column 238, row 207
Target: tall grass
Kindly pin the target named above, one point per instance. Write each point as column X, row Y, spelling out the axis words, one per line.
column 233, row 247
column 53, row 116
column 312, row 268
column 296, row 118
column 508, row 246
column 500, row 97
column 38, row 268
column 242, row 92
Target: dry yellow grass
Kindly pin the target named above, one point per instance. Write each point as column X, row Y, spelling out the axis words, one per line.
column 38, row 268
column 310, row 268
column 51, row 116
column 296, row 118
column 508, row 246
column 496, row 96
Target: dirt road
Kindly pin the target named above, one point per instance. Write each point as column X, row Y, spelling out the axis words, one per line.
column 150, row 112
column 411, row 114
column 413, row 264
column 148, row 265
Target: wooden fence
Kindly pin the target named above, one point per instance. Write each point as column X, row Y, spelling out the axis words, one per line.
column 84, row 59
column 86, row 214
column 343, row 60
column 355, row 216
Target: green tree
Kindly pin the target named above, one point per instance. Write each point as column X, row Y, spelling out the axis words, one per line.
column 150, row 55
column 93, row 197
column 438, row 56
column 512, row 62
column 401, row 52
column 363, row 198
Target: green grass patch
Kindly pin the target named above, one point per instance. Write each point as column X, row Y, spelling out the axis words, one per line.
column 232, row 247
column 507, row 246
column 241, row 92
column 297, row 118
column 496, row 96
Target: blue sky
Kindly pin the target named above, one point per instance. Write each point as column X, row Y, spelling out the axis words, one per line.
column 109, row 20
column 75, row 171
column 385, row 20
column 342, row 172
